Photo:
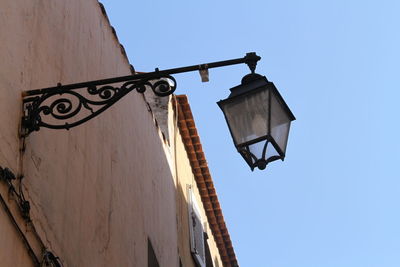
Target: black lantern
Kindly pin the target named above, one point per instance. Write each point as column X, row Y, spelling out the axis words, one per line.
column 258, row 119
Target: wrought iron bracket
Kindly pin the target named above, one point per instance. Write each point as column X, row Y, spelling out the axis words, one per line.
column 67, row 106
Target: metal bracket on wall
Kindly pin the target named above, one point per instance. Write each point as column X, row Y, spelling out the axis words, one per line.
column 67, row 106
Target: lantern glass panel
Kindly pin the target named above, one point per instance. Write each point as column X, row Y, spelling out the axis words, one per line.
column 257, row 149
column 247, row 116
column 280, row 122
column 271, row 152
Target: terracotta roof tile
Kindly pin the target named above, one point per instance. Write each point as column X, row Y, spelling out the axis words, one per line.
column 204, row 182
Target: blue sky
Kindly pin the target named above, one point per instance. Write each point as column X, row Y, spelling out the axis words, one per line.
column 334, row 201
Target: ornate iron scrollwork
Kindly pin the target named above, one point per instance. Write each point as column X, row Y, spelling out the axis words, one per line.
column 73, row 107
column 65, row 107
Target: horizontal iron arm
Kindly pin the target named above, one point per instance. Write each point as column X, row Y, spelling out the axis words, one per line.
column 250, row 59
column 64, row 104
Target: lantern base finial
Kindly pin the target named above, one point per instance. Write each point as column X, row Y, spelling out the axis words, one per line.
column 261, row 164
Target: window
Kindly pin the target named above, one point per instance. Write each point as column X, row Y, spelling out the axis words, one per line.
column 196, row 231
column 216, row 262
column 209, row 262
column 151, row 256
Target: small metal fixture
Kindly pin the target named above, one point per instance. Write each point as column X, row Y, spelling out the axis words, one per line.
column 257, row 116
column 204, row 74
column 258, row 119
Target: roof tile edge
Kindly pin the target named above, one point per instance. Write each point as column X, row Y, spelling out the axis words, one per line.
column 204, row 181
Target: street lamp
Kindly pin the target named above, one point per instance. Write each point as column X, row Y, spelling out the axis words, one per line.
column 258, row 119
column 257, row 116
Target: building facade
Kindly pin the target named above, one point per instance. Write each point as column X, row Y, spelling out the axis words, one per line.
column 128, row 188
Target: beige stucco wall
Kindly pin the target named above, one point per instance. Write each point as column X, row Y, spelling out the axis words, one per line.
column 13, row 251
column 98, row 191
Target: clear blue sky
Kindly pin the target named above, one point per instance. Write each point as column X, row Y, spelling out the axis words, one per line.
column 334, row 201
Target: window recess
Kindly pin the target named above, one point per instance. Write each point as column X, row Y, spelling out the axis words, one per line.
column 196, row 230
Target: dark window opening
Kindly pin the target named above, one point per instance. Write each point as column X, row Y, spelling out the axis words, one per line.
column 216, row 262
column 196, row 231
column 209, row 261
column 151, row 255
